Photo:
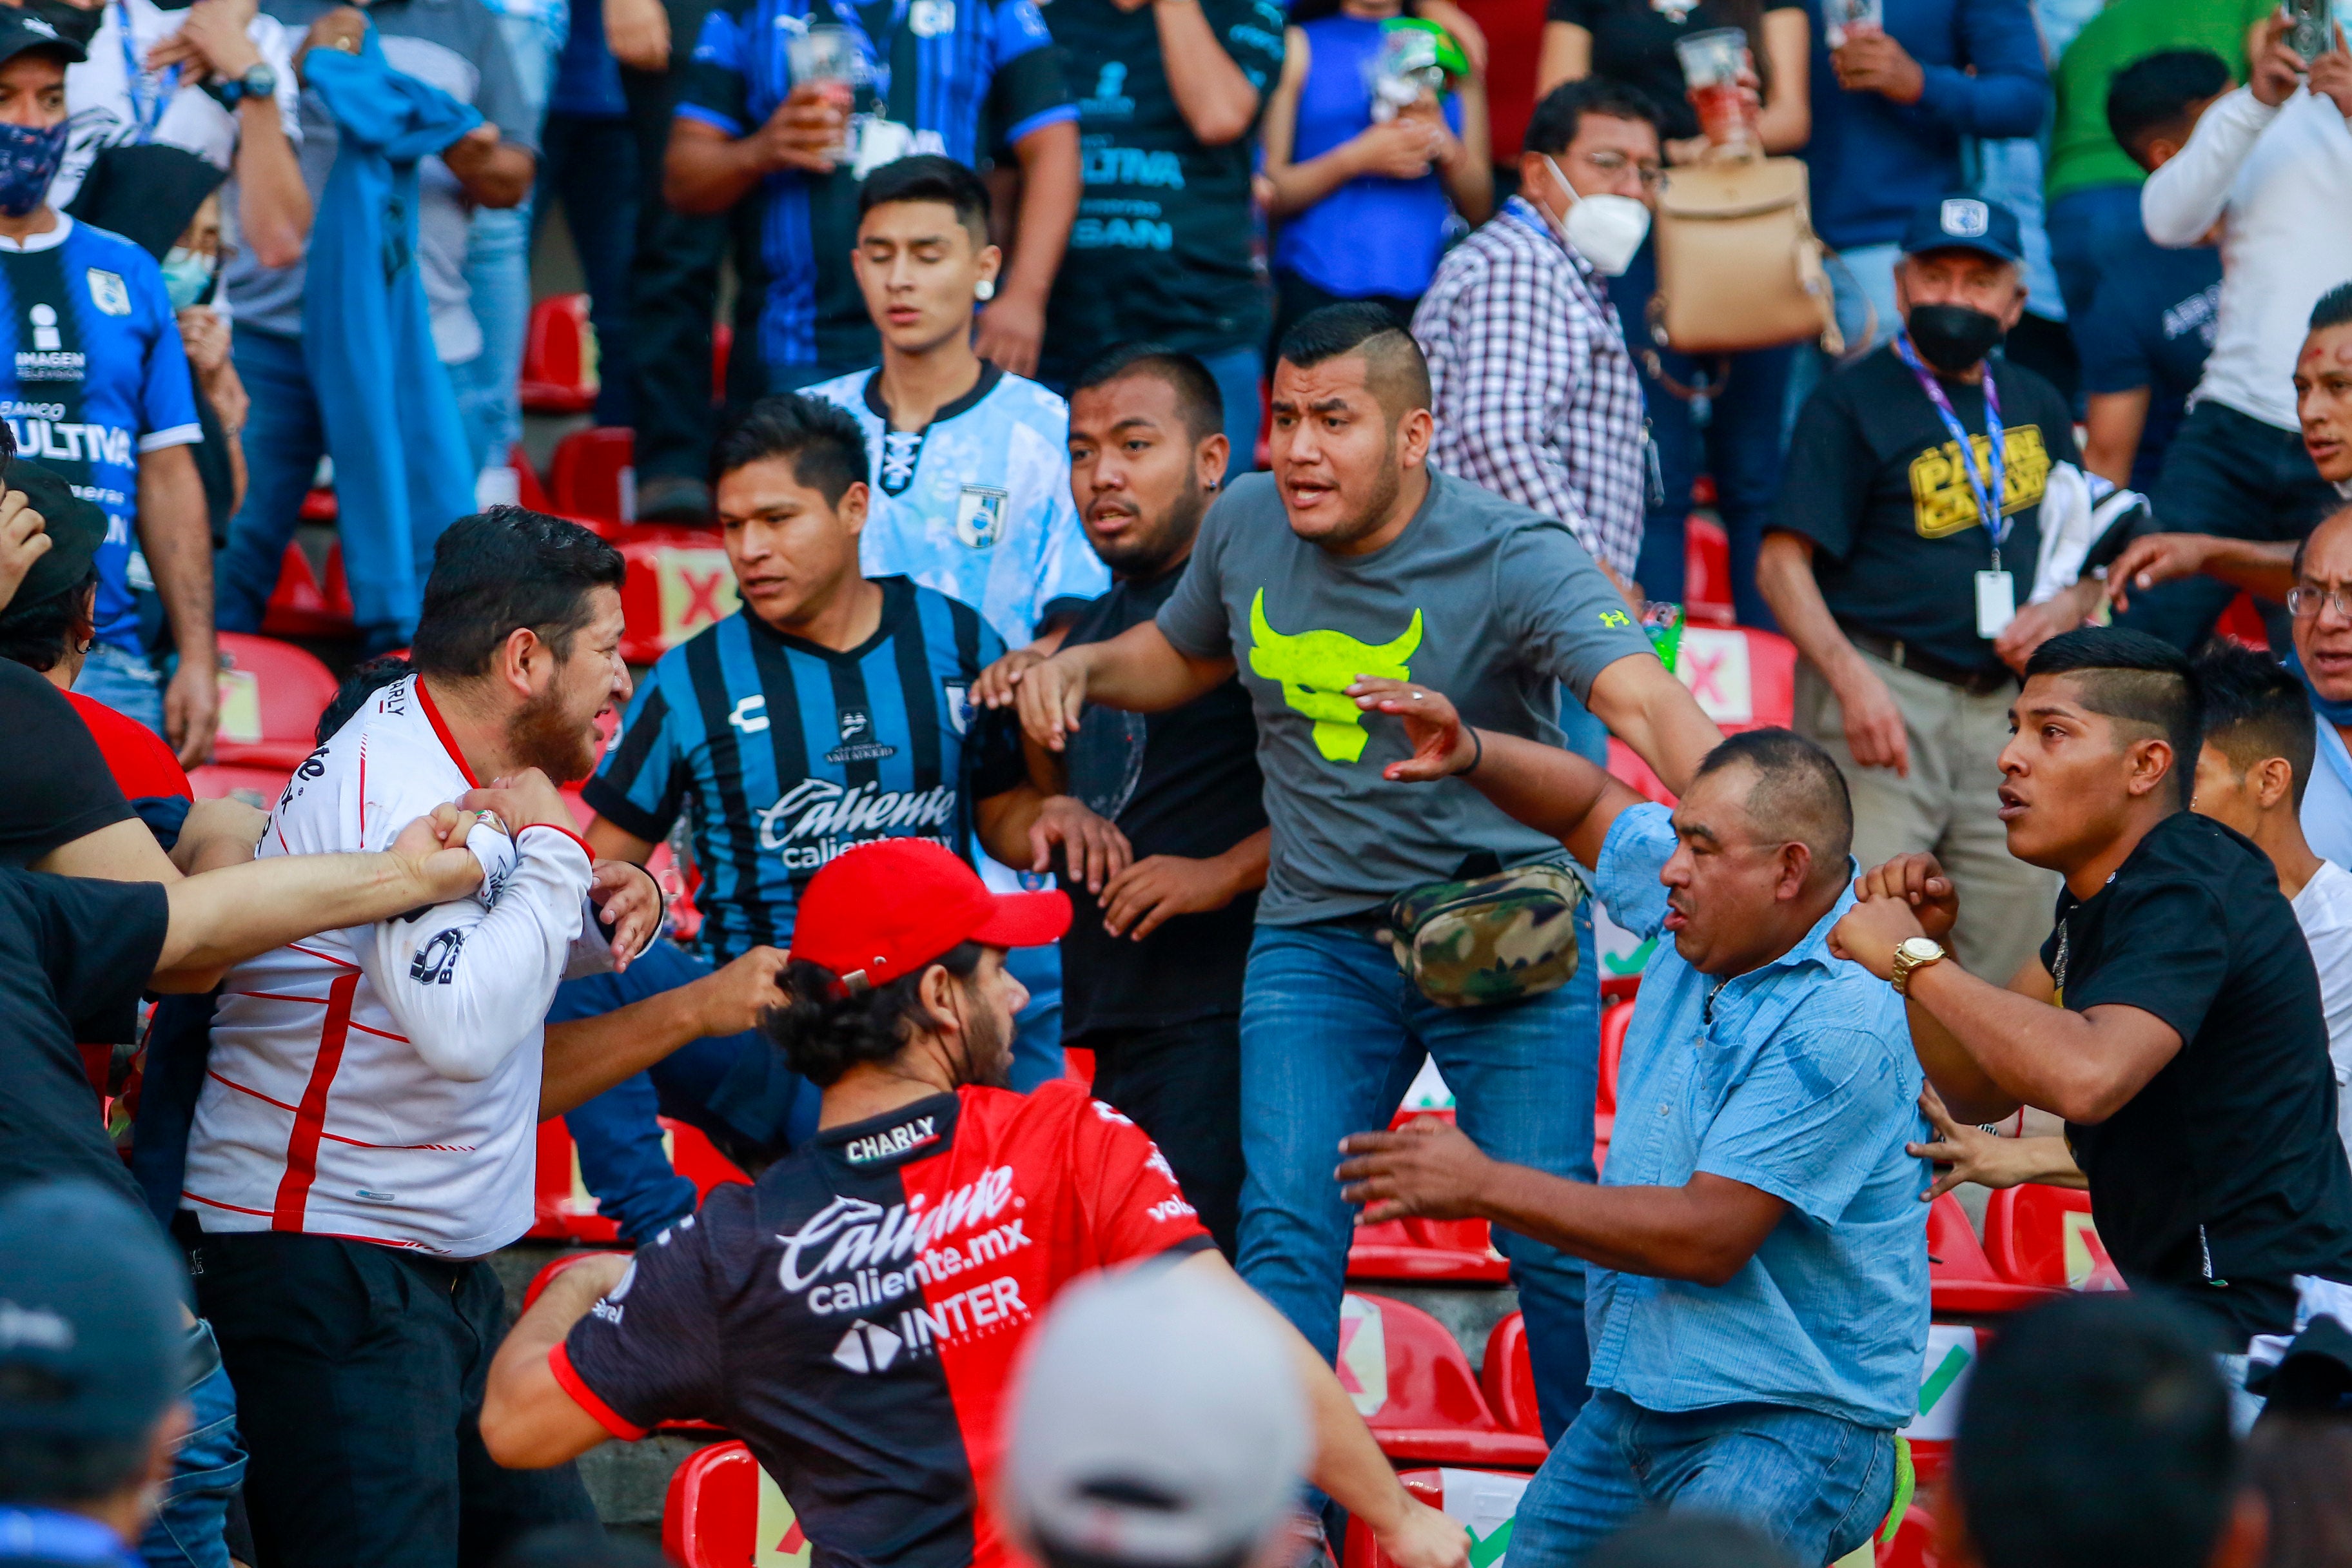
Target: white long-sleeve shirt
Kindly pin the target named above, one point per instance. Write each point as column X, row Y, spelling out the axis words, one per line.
column 382, row 1083
column 2279, row 181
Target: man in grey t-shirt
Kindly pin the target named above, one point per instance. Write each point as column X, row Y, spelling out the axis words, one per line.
column 1354, row 558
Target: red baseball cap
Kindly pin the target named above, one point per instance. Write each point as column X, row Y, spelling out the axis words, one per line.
column 887, row 908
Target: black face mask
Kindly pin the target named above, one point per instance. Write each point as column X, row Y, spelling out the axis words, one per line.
column 1953, row 337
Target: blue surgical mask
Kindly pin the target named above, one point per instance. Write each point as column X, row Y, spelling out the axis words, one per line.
column 28, row 161
column 187, row 276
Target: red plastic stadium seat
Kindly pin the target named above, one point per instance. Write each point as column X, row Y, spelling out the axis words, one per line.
column 1508, row 1377
column 1706, row 572
column 679, row 583
column 1615, row 1019
column 1741, row 678
column 307, row 603
column 2037, row 1235
column 1914, row 1545
column 529, row 491
column 1960, row 1278
column 1427, row 1251
column 1408, row 1375
column 1484, row 1500
column 564, row 1209
column 558, row 357
column 2240, row 622
column 271, row 694
column 593, row 474
column 723, row 1511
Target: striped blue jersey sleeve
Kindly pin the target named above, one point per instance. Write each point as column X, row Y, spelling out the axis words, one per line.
column 718, row 80
column 1026, row 92
column 641, row 784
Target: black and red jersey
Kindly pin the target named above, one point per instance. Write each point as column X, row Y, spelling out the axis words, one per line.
column 854, row 1317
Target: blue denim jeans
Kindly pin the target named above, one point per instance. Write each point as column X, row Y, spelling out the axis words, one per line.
column 1817, row 1484
column 284, row 439
column 497, row 273
column 1332, row 1033
column 734, row 1087
column 207, row 1466
column 126, row 681
column 1236, row 372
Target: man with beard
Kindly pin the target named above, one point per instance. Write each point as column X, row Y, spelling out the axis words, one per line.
column 1355, row 557
column 857, row 1315
column 365, row 1133
column 1152, row 965
column 2173, row 1017
column 829, row 710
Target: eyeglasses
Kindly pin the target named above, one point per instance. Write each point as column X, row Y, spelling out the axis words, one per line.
column 1615, row 164
column 2304, row 603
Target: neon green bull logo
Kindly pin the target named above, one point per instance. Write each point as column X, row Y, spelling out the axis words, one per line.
column 1315, row 669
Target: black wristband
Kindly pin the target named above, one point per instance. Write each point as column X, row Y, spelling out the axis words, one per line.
column 1477, row 753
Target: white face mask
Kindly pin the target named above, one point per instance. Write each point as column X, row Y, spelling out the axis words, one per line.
column 1606, row 230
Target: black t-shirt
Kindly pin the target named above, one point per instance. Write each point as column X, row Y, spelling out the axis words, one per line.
column 1184, row 783
column 857, row 1316
column 1161, row 248
column 73, row 953
column 1634, row 42
column 54, row 783
column 2151, row 324
column 2223, row 1178
column 1875, row 481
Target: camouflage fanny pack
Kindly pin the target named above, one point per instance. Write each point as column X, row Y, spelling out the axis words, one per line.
column 1490, row 938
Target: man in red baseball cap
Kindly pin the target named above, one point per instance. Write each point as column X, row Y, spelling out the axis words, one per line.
column 856, row 1315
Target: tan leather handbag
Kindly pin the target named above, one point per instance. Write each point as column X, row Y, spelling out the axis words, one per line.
column 1739, row 264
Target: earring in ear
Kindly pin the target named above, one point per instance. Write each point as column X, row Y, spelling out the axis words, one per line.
column 984, row 290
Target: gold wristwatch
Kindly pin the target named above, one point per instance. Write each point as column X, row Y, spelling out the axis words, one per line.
column 1911, row 954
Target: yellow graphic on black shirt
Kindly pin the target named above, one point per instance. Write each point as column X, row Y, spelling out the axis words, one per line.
column 1316, row 667
column 1943, row 503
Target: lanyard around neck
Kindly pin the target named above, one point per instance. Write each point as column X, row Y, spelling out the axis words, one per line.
column 1987, row 489
column 150, row 95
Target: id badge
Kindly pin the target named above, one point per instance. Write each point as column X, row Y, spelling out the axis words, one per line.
column 880, row 141
column 1996, row 603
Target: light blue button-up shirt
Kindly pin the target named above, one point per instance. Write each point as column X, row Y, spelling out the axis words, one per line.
column 1804, row 1086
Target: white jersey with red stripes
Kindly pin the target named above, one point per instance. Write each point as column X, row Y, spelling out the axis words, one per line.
column 382, row 1083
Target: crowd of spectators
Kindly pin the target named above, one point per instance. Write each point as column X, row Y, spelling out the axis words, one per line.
column 1044, row 722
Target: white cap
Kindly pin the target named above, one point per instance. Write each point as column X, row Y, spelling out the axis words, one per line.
column 1158, row 1420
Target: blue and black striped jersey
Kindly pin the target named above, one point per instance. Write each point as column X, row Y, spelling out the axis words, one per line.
column 782, row 753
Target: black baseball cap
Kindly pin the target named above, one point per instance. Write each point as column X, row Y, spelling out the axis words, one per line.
column 1965, row 223
column 20, row 30
column 76, row 527
column 92, row 1346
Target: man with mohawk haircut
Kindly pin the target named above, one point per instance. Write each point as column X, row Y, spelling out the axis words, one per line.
column 1353, row 558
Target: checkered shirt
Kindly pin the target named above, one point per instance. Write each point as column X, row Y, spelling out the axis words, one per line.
column 1537, row 398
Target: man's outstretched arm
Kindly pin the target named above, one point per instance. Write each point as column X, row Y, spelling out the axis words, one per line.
column 529, row 1422
column 1990, row 1049
column 1138, row 670
column 1645, row 707
column 1702, row 1232
column 1550, row 790
column 226, row 916
column 585, row 1056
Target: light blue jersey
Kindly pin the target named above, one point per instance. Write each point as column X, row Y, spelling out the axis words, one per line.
column 976, row 504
